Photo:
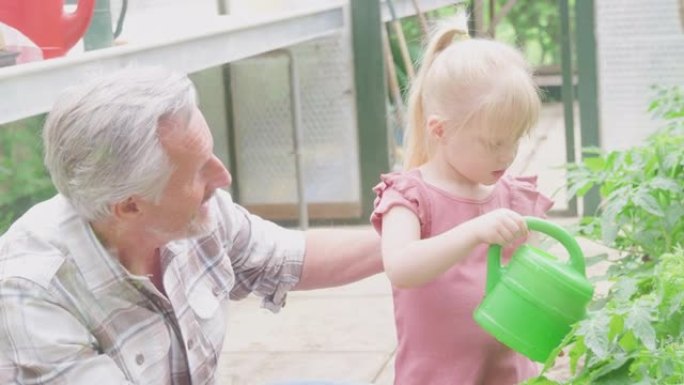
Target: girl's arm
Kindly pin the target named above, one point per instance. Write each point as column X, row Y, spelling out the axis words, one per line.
column 410, row 261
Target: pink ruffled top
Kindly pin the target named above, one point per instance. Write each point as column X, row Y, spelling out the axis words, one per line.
column 439, row 342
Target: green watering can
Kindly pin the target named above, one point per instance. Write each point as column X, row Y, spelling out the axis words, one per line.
column 531, row 304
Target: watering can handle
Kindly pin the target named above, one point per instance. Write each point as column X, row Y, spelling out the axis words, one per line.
column 551, row 229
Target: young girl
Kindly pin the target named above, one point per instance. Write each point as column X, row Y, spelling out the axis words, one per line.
column 471, row 102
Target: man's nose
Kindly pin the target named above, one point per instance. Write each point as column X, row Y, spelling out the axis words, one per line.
column 220, row 175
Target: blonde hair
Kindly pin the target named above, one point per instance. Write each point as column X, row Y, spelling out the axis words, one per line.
column 469, row 83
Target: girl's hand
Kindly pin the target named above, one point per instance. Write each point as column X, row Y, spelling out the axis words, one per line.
column 501, row 226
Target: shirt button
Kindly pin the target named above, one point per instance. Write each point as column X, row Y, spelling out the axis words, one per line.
column 191, row 344
column 139, row 359
column 217, row 291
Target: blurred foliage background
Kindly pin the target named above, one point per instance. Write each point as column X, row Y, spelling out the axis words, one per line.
column 531, row 25
column 24, row 180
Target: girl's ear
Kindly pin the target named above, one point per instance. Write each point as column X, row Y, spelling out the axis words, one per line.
column 435, row 127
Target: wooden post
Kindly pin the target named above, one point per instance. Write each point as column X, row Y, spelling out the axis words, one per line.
column 568, row 91
column 587, row 88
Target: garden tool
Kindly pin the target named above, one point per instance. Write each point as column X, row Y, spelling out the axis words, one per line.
column 46, row 23
column 531, row 304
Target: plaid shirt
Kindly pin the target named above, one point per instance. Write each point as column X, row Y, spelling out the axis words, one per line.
column 71, row 314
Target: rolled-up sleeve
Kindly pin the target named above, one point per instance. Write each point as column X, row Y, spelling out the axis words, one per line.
column 267, row 259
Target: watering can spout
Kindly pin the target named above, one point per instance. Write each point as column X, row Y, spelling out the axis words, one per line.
column 75, row 24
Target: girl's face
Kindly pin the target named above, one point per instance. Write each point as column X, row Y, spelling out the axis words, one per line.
column 477, row 156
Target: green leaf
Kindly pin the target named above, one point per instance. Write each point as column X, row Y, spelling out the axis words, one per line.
column 595, row 332
column 629, row 342
column 667, row 184
column 579, row 189
column 595, row 164
column 675, row 215
column 578, row 350
column 585, row 189
column 639, row 321
column 614, row 372
column 647, row 202
column 671, row 161
column 644, row 381
column 675, row 304
column 567, row 340
column 611, row 158
column 616, row 326
column 609, row 224
column 624, row 289
column 591, row 150
column 540, row 381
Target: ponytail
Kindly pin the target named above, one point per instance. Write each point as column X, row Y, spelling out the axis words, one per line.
column 415, row 140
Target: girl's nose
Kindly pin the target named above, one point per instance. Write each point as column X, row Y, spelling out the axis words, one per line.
column 507, row 155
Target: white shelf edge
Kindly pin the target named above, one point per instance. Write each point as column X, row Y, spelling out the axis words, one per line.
column 32, row 88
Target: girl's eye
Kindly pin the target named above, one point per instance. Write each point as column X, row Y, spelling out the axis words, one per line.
column 503, row 143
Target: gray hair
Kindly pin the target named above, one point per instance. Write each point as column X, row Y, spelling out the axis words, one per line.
column 101, row 142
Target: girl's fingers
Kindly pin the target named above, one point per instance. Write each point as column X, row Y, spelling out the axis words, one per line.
column 513, row 227
column 506, row 234
column 520, row 226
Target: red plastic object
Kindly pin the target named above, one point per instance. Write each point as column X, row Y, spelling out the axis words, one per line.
column 46, row 23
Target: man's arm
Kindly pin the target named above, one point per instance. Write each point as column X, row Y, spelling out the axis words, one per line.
column 339, row 256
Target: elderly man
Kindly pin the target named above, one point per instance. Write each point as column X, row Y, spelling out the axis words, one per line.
column 124, row 277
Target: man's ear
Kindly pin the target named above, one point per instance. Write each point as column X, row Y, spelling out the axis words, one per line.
column 435, row 127
column 127, row 209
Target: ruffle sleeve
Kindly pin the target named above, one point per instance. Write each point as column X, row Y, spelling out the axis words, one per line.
column 525, row 198
column 400, row 189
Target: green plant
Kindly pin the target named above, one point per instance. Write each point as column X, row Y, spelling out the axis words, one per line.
column 635, row 334
column 534, row 26
column 637, row 337
column 642, row 210
column 23, row 179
